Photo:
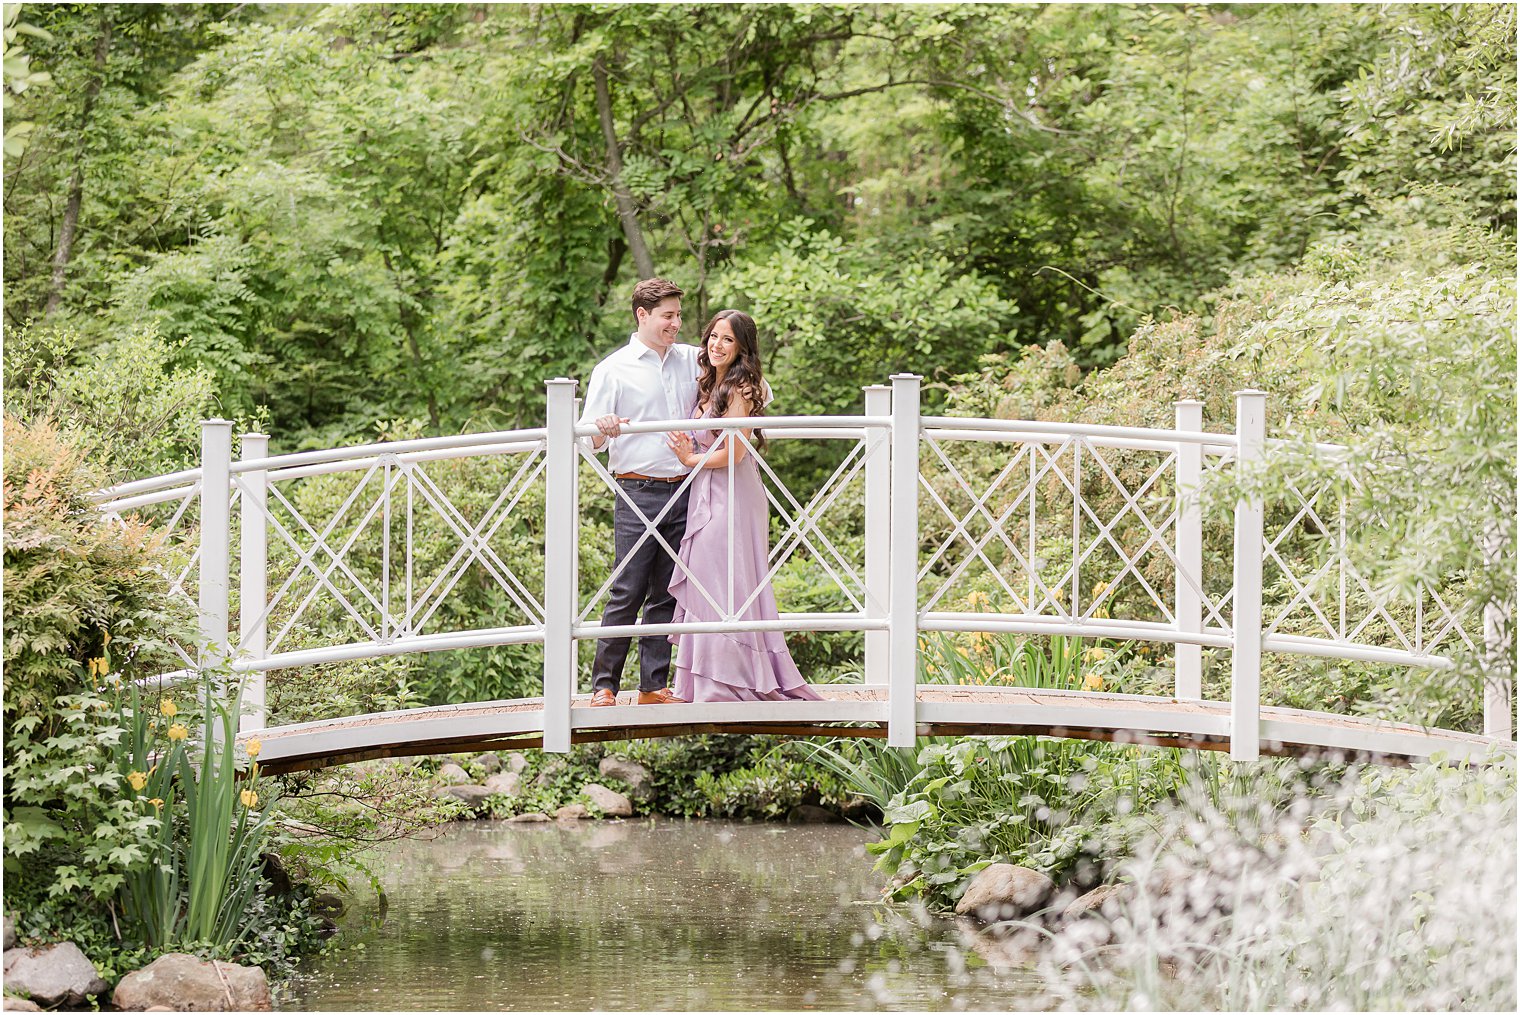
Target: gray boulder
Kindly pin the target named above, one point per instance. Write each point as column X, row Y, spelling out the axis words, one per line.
column 185, row 983
column 10, row 933
column 490, row 762
column 1003, row 891
column 531, row 816
column 505, row 783
column 640, row 782
column 517, row 762
column 549, row 772
column 1106, row 900
column 453, row 775
column 19, row 1004
column 53, row 975
column 473, row 797
column 609, row 801
column 572, row 812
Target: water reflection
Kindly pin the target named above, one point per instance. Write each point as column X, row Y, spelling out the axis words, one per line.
column 646, row 915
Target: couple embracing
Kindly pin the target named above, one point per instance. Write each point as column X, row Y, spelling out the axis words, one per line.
column 656, row 377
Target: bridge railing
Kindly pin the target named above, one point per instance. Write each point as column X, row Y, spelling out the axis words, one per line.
column 961, row 525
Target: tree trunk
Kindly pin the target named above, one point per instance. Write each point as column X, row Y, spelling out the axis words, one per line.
column 627, row 211
column 65, row 252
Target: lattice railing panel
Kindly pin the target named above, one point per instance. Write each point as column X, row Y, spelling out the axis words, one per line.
column 814, row 523
column 1314, row 586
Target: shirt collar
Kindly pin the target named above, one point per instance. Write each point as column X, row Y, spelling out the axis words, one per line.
column 638, row 348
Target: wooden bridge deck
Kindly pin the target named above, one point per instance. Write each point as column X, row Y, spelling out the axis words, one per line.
column 942, row 710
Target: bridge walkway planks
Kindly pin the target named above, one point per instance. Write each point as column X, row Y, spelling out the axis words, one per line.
column 942, row 710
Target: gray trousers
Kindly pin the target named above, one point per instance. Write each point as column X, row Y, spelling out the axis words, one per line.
column 643, row 585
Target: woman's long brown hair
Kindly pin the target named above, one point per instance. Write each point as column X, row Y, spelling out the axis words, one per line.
column 743, row 376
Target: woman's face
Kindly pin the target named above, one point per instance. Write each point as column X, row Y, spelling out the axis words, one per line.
column 722, row 346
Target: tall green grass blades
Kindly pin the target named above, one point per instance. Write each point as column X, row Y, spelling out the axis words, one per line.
column 204, row 869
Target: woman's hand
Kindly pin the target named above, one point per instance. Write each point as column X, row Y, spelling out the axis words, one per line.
column 681, row 443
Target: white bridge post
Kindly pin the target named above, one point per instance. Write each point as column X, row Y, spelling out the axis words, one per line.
column 1498, row 691
column 216, row 537
column 1245, row 675
column 878, row 482
column 253, row 587
column 1188, row 659
column 902, row 613
column 559, row 563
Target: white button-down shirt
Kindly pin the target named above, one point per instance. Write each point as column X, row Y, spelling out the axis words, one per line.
column 636, row 384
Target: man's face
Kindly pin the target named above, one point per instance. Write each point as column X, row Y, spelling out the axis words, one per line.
column 661, row 325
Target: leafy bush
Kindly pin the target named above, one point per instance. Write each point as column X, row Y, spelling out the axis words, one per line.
column 1402, row 881
column 1036, row 802
column 73, row 583
column 115, row 837
column 121, row 400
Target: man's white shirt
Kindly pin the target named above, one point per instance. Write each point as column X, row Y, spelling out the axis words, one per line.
column 634, row 383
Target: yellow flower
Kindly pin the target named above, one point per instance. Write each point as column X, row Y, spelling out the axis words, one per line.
column 962, row 650
column 178, row 732
column 1092, row 682
column 250, row 798
column 977, row 599
column 137, row 780
column 106, row 636
column 168, row 708
column 157, row 801
column 1095, row 655
column 254, row 747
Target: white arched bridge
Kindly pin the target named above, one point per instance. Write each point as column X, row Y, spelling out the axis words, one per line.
column 916, row 531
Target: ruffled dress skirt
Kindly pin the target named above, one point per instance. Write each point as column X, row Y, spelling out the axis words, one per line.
column 742, row 665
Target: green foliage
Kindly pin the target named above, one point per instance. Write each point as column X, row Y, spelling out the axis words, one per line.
column 73, row 583
column 19, row 76
column 204, row 868
column 820, row 300
column 1040, row 803
column 121, row 400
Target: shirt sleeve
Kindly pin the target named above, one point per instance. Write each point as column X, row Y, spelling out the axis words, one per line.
column 601, row 395
column 601, row 398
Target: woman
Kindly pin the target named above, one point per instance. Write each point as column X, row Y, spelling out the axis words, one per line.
column 742, row 665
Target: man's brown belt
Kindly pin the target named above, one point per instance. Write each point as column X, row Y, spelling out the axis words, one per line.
column 652, row 479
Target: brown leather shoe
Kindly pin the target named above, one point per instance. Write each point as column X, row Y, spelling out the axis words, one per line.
column 603, row 697
column 663, row 696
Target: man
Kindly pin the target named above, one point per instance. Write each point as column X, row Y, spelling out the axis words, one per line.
column 653, row 377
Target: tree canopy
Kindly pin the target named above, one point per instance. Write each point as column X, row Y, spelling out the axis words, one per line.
column 353, row 215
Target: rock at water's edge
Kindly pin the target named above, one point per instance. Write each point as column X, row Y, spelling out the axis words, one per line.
column 505, row 783
column 185, row 983
column 531, row 816
column 1105, row 900
column 53, row 975
column 453, row 775
column 609, row 801
column 640, row 782
column 19, row 1004
column 1003, row 891
column 572, row 812
column 473, row 797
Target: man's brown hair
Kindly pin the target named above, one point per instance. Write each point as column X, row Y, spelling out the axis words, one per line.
column 651, row 291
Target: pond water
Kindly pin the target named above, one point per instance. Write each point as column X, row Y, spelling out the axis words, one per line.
column 645, row 914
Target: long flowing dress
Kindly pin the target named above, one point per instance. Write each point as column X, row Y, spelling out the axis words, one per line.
column 739, row 665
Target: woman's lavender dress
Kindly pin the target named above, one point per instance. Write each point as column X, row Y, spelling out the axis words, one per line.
column 744, row 665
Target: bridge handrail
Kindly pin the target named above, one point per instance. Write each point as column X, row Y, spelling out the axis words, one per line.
column 895, row 435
